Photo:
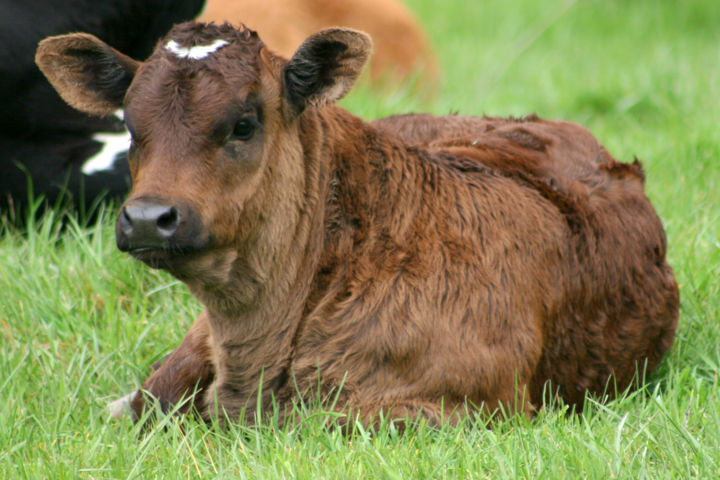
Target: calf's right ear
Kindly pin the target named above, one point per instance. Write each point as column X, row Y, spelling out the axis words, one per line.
column 87, row 73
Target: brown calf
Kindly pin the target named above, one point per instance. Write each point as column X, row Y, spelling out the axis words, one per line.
column 402, row 47
column 416, row 261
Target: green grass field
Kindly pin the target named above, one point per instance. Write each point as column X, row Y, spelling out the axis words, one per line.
column 80, row 323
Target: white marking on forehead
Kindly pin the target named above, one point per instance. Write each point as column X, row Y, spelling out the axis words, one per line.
column 197, row 52
column 113, row 145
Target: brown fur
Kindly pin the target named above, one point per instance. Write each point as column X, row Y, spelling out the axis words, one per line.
column 402, row 49
column 417, row 261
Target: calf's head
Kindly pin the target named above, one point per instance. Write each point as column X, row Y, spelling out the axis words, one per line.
column 214, row 119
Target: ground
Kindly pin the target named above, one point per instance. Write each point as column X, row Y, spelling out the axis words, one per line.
column 80, row 323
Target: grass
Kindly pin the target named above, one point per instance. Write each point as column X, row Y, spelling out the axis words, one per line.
column 81, row 323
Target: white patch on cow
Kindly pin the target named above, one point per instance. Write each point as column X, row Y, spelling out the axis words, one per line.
column 120, row 407
column 113, row 144
column 197, row 52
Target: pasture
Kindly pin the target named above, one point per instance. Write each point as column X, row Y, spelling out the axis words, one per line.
column 81, row 323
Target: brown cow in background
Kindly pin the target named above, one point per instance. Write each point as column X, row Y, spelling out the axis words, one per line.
column 402, row 49
column 421, row 263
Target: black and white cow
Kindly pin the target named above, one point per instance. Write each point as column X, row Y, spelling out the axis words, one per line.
column 65, row 153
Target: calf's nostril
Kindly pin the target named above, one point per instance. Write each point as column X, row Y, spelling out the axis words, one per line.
column 168, row 221
column 125, row 222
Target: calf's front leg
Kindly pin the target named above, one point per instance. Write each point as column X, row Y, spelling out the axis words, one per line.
column 188, row 369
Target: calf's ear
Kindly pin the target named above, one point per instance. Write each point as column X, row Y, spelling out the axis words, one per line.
column 324, row 67
column 87, row 73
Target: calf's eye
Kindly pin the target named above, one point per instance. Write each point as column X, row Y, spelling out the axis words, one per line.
column 244, row 129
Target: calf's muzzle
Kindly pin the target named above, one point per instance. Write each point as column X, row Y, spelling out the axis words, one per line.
column 150, row 224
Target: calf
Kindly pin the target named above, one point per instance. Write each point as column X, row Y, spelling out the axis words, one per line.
column 473, row 261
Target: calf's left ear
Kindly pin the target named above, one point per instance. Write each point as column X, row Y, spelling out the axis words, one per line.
column 324, row 67
column 87, row 73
